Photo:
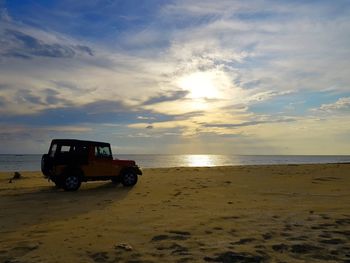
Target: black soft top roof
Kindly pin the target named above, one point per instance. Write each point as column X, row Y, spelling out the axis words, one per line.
column 78, row 142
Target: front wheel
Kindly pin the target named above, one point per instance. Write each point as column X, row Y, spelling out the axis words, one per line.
column 129, row 178
column 71, row 183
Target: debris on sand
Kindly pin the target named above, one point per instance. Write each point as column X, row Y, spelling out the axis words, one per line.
column 15, row 176
column 123, row 246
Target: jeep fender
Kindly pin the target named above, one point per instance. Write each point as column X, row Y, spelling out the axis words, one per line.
column 135, row 169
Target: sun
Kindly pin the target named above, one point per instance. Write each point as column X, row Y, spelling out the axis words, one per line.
column 200, row 85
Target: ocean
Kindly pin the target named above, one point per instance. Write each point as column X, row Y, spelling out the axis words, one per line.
column 31, row 162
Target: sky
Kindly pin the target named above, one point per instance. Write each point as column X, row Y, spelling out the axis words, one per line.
column 176, row 77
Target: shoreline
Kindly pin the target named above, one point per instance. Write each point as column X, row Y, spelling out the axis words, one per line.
column 208, row 167
column 32, row 162
column 260, row 213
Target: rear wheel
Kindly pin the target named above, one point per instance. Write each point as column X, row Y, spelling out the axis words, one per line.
column 71, row 182
column 129, row 178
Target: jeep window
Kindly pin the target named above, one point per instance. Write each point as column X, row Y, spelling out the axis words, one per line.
column 102, row 152
column 81, row 150
column 53, row 150
column 65, row 148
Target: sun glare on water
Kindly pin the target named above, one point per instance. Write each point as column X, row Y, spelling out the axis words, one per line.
column 199, row 160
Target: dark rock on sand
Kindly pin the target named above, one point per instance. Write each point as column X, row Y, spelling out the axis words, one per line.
column 243, row 241
column 333, row 241
column 280, row 247
column 135, row 261
column 343, row 221
column 298, row 238
column 344, row 233
column 184, row 260
column 176, row 249
column 326, row 257
column 179, row 250
column 100, row 257
column 181, row 233
column 229, row 257
column 25, row 247
column 267, row 236
column 305, row 248
column 160, row 238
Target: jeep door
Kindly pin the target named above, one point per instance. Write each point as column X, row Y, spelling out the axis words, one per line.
column 101, row 163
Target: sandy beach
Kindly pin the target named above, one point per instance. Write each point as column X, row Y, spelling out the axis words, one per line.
column 274, row 213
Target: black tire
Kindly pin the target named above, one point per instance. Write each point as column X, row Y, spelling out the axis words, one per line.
column 71, row 182
column 116, row 180
column 129, row 178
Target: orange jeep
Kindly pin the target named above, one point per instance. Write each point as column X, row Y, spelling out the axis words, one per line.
column 70, row 162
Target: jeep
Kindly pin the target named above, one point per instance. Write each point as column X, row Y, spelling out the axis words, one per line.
column 70, row 162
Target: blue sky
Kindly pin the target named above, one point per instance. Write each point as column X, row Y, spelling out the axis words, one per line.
column 238, row 77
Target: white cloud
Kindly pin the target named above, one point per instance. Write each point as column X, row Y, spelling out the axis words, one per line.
column 342, row 104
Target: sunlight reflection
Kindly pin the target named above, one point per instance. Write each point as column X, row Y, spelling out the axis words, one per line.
column 199, row 160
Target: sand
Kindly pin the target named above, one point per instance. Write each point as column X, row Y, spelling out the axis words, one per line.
column 276, row 213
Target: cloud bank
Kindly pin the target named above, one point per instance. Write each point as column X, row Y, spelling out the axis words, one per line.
column 183, row 77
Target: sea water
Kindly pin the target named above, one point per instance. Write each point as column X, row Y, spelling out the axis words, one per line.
column 31, row 162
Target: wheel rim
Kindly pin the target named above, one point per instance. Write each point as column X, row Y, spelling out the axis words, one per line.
column 129, row 178
column 72, row 182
